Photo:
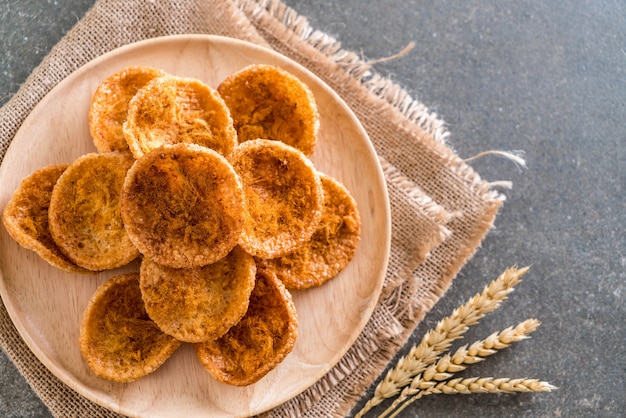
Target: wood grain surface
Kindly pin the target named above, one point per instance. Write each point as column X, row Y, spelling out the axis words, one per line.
column 46, row 304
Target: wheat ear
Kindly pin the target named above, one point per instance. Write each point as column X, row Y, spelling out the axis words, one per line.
column 480, row 385
column 441, row 337
column 471, row 385
column 462, row 358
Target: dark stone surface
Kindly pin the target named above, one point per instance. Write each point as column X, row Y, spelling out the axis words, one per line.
column 548, row 78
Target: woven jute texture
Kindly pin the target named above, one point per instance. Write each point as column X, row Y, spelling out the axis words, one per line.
column 441, row 209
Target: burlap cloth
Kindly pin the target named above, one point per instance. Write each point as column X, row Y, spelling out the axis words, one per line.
column 441, row 209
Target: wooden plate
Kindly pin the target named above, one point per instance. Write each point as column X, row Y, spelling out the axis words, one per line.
column 46, row 304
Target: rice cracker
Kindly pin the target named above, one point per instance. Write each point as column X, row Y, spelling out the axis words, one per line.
column 117, row 338
column 199, row 304
column 25, row 217
column 182, row 206
column 260, row 341
column 268, row 102
column 109, row 106
column 171, row 110
column 284, row 197
column 84, row 214
column 332, row 246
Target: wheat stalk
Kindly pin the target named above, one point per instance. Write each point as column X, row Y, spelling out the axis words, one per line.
column 459, row 361
column 471, row 385
column 441, row 337
column 479, row 385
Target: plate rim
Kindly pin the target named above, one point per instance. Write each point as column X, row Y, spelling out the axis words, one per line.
column 68, row 378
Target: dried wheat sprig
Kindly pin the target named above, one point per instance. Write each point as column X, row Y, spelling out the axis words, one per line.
column 471, row 385
column 441, row 337
column 496, row 341
column 462, row 358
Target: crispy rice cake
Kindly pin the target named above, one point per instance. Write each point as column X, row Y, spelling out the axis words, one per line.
column 284, row 197
column 182, row 206
column 109, row 106
column 171, row 110
column 266, row 101
column 332, row 246
column 117, row 338
column 201, row 304
column 26, row 217
column 260, row 341
column 84, row 214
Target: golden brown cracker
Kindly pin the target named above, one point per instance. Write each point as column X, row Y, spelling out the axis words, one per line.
column 260, row 341
column 171, row 110
column 117, row 339
column 267, row 102
column 182, row 206
column 284, row 197
column 84, row 214
column 109, row 105
column 26, row 217
column 331, row 247
column 200, row 304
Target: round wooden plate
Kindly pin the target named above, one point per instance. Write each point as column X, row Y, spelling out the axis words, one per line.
column 46, row 304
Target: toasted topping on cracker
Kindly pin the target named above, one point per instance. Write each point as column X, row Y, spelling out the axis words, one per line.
column 260, row 341
column 200, row 304
column 284, row 197
column 330, row 249
column 182, row 206
column 109, row 106
column 267, row 102
column 117, row 338
column 172, row 110
column 84, row 214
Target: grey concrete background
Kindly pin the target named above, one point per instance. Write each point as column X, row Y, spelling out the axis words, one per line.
column 548, row 78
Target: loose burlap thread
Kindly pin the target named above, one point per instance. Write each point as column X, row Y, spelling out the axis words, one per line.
column 441, row 209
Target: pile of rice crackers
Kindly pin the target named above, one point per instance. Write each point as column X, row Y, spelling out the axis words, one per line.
column 213, row 191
